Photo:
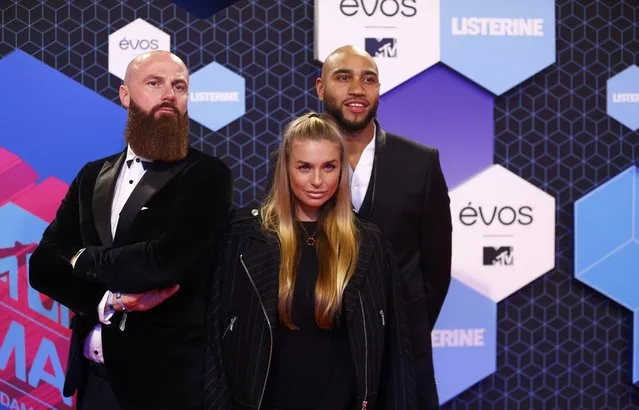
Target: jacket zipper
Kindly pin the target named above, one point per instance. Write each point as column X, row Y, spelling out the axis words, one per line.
column 381, row 313
column 270, row 331
column 229, row 328
column 364, row 402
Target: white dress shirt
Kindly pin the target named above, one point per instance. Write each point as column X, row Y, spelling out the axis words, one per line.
column 127, row 181
column 361, row 175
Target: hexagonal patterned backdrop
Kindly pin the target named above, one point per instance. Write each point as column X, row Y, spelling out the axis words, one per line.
column 253, row 39
column 560, row 344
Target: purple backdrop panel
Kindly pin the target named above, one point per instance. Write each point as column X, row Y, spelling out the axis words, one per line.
column 441, row 109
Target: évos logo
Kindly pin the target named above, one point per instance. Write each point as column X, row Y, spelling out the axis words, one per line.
column 499, row 215
column 139, row 44
column 495, row 213
column 386, row 8
column 501, row 256
column 384, row 47
column 132, row 40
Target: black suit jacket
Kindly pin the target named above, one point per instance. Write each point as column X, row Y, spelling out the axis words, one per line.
column 245, row 294
column 408, row 199
column 156, row 362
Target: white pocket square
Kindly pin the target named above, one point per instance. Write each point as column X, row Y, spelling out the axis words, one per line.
column 144, row 208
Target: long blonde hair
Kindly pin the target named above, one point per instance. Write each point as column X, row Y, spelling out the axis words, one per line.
column 337, row 241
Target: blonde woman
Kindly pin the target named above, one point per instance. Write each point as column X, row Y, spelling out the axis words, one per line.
column 305, row 308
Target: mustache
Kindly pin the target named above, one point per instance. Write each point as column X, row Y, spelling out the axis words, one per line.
column 164, row 105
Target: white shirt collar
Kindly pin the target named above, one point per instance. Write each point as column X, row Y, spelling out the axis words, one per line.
column 368, row 154
column 361, row 175
column 132, row 155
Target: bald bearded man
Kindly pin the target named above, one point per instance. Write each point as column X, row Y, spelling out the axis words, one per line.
column 127, row 252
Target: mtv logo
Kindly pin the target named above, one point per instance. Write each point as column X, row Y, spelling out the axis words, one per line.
column 384, row 47
column 498, row 256
column 416, row 23
column 495, row 199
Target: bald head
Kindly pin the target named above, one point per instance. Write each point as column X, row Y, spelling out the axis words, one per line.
column 344, row 53
column 149, row 57
column 349, row 89
column 156, row 78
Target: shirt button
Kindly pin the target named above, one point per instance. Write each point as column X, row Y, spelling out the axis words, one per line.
column 137, row 160
column 130, row 181
column 95, row 352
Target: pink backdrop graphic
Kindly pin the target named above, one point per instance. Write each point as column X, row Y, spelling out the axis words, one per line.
column 33, row 349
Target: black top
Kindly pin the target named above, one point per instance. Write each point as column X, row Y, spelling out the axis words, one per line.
column 312, row 367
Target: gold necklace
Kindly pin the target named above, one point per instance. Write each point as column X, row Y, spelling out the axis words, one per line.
column 310, row 239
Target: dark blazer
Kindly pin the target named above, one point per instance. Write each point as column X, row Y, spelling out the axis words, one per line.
column 408, row 199
column 156, row 362
column 243, row 316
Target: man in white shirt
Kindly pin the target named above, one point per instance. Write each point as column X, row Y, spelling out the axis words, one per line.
column 399, row 185
column 129, row 252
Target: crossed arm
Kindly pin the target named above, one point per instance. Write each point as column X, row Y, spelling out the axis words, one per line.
column 147, row 272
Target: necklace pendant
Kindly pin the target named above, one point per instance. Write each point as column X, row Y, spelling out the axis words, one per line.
column 310, row 241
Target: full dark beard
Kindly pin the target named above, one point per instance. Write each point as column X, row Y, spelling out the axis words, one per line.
column 159, row 139
column 334, row 110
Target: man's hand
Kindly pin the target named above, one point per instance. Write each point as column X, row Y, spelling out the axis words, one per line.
column 142, row 302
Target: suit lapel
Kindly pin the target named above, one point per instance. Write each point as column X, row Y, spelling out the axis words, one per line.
column 152, row 181
column 381, row 177
column 103, row 197
column 367, row 203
